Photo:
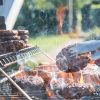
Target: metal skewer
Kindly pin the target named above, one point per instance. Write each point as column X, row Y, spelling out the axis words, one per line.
column 44, row 53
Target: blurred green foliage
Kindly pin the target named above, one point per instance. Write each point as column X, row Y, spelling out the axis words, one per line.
column 39, row 16
column 81, row 3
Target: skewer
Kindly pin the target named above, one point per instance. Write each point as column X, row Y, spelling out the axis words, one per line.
column 44, row 53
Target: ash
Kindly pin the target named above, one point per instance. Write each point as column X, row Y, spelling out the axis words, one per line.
column 30, row 89
column 5, row 89
column 92, row 69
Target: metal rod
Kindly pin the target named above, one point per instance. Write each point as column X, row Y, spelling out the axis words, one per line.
column 23, row 92
column 12, row 75
column 44, row 53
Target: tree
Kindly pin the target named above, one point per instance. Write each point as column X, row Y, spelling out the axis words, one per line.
column 39, row 15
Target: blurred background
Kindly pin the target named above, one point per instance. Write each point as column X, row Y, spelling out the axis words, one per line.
column 52, row 18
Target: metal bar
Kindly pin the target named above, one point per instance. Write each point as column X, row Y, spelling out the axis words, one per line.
column 19, row 52
column 3, row 61
column 12, row 75
column 8, row 64
column 44, row 53
column 7, row 60
column 23, row 92
column 22, row 54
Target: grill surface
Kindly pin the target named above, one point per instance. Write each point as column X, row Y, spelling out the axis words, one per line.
column 38, row 92
column 21, row 55
column 9, row 92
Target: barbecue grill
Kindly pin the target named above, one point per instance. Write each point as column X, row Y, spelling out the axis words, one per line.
column 10, row 90
column 8, row 87
column 7, row 84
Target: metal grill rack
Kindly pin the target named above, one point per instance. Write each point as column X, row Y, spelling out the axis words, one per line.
column 6, row 82
column 8, row 59
column 13, row 57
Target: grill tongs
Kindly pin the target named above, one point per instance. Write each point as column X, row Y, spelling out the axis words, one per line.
column 13, row 57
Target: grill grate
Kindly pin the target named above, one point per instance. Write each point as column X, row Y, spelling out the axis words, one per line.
column 21, row 55
column 5, row 84
column 13, row 57
column 31, row 90
column 40, row 94
column 8, row 91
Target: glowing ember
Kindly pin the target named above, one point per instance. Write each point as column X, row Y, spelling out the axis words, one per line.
column 71, row 76
column 68, row 85
column 92, row 74
column 54, row 82
column 21, row 75
column 76, row 91
column 81, row 78
column 35, row 80
column 49, row 92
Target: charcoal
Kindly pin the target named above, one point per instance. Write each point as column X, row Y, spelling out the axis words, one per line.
column 11, row 46
column 91, row 73
column 76, row 91
column 25, row 40
column 13, row 40
column 19, row 44
column 8, row 32
column 98, row 62
column 5, row 89
column 30, row 89
column 23, row 32
column 7, row 38
column 2, row 50
column 23, row 37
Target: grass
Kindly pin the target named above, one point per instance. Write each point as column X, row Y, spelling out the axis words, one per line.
column 48, row 43
column 96, row 30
